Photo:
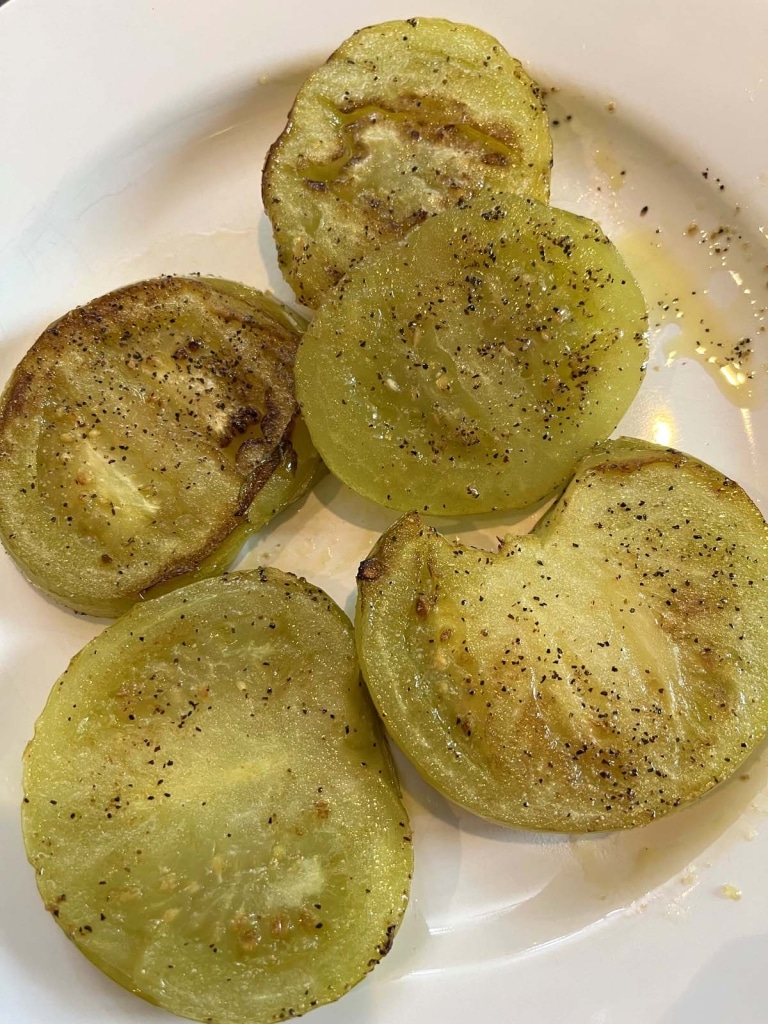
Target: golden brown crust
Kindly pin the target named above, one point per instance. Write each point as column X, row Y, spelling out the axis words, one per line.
column 405, row 118
column 136, row 432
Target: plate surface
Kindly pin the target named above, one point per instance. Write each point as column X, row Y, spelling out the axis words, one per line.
column 133, row 138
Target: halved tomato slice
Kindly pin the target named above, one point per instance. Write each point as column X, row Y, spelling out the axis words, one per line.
column 595, row 674
column 211, row 807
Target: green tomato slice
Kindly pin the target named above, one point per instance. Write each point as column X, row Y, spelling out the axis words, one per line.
column 405, row 119
column 470, row 367
column 594, row 674
column 138, row 431
column 210, row 805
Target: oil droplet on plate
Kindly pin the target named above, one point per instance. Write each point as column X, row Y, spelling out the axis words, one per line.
column 712, row 325
column 609, row 166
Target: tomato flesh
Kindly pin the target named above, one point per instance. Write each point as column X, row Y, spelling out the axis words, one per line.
column 406, row 118
column 594, row 674
column 469, row 368
column 138, row 431
column 211, row 807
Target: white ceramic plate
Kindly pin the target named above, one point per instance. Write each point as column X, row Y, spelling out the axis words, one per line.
column 132, row 137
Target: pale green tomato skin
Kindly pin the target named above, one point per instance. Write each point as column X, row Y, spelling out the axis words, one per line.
column 211, row 807
column 405, row 119
column 595, row 674
column 139, row 430
column 468, row 368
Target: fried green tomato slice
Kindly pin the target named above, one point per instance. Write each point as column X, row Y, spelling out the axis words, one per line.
column 595, row 674
column 405, row 119
column 211, row 807
column 470, row 367
column 137, row 433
